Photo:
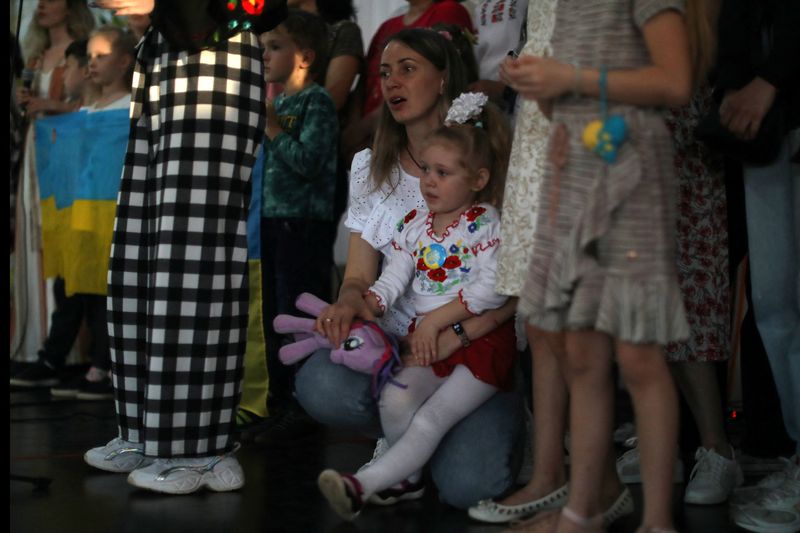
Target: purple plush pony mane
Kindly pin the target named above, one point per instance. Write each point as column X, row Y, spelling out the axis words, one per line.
column 388, row 364
column 367, row 349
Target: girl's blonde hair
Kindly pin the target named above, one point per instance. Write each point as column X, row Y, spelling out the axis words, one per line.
column 700, row 21
column 122, row 42
column 484, row 145
column 390, row 137
column 80, row 22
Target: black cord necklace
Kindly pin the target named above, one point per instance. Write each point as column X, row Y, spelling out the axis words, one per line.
column 413, row 159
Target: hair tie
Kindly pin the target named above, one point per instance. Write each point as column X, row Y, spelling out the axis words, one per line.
column 446, row 34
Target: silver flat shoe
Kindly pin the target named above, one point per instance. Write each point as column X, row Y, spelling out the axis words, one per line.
column 496, row 513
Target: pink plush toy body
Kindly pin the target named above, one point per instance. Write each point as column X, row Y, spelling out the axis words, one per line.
column 366, row 349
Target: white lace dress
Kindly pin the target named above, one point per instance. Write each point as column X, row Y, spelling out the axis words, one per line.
column 526, row 166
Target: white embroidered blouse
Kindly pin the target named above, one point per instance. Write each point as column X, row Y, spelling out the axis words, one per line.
column 460, row 263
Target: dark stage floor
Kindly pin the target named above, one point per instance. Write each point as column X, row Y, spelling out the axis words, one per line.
column 48, row 439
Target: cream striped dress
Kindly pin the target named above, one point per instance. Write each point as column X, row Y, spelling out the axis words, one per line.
column 604, row 248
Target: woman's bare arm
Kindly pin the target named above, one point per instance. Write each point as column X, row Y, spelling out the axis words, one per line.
column 360, row 272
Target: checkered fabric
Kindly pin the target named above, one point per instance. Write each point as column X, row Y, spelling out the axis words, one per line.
column 178, row 288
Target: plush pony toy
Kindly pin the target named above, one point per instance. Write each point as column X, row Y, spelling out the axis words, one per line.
column 366, row 349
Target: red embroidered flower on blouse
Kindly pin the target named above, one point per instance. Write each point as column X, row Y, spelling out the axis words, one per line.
column 475, row 212
column 421, row 265
column 452, row 262
column 410, row 216
column 437, row 275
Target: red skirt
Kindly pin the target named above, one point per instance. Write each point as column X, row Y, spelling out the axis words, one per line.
column 490, row 358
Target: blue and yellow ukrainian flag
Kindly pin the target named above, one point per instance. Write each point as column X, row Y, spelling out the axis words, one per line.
column 79, row 160
column 256, row 376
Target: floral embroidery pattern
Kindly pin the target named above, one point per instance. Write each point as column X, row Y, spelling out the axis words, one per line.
column 474, row 216
column 702, row 239
column 408, row 218
column 439, row 269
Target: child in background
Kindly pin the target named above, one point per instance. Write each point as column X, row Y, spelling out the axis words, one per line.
column 297, row 226
column 602, row 279
column 78, row 88
column 448, row 257
column 71, row 310
column 109, row 64
column 111, row 60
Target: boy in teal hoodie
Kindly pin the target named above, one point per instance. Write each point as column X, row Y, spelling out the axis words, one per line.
column 297, row 226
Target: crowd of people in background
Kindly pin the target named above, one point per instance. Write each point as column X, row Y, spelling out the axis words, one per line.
column 539, row 200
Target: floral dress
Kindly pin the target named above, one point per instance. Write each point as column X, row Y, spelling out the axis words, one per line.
column 702, row 239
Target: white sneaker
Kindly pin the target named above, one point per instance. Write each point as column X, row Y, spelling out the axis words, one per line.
column 623, row 433
column 754, row 493
column 186, row 475
column 713, row 478
column 629, row 471
column 762, row 520
column 786, row 497
column 118, row 456
column 381, row 447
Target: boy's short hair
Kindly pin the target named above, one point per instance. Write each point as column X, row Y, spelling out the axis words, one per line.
column 77, row 49
column 309, row 31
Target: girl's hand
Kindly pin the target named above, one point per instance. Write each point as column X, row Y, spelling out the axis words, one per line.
column 742, row 111
column 424, row 343
column 537, row 78
column 127, row 7
column 373, row 305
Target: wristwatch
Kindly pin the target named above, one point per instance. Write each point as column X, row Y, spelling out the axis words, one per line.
column 459, row 329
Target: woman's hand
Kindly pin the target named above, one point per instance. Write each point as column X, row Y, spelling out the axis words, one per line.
column 742, row 111
column 127, row 7
column 36, row 105
column 335, row 320
column 537, row 78
column 23, row 96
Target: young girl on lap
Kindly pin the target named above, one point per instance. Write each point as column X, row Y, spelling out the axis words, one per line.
column 447, row 254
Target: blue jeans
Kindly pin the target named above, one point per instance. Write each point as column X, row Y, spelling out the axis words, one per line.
column 478, row 459
column 772, row 199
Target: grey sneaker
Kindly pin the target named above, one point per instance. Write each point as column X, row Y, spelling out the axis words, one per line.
column 219, row 473
column 713, row 478
column 754, row 493
column 629, row 472
column 786, row 497
column 118, row 456
column 760, row 520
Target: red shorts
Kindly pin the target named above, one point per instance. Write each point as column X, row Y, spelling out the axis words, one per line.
column 490, row 358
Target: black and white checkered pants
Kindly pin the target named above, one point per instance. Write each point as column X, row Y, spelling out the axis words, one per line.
column 177, row 281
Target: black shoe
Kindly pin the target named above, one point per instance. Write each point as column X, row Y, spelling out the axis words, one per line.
column 68, row 388
column 15, row 367
column 39, row 374
column 287, row 426
column 96, row 390
column 249, row 424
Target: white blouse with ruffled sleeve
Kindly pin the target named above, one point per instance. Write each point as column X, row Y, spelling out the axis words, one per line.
column 374, row 214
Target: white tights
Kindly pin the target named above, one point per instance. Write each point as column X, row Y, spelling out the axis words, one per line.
column 416, row 419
